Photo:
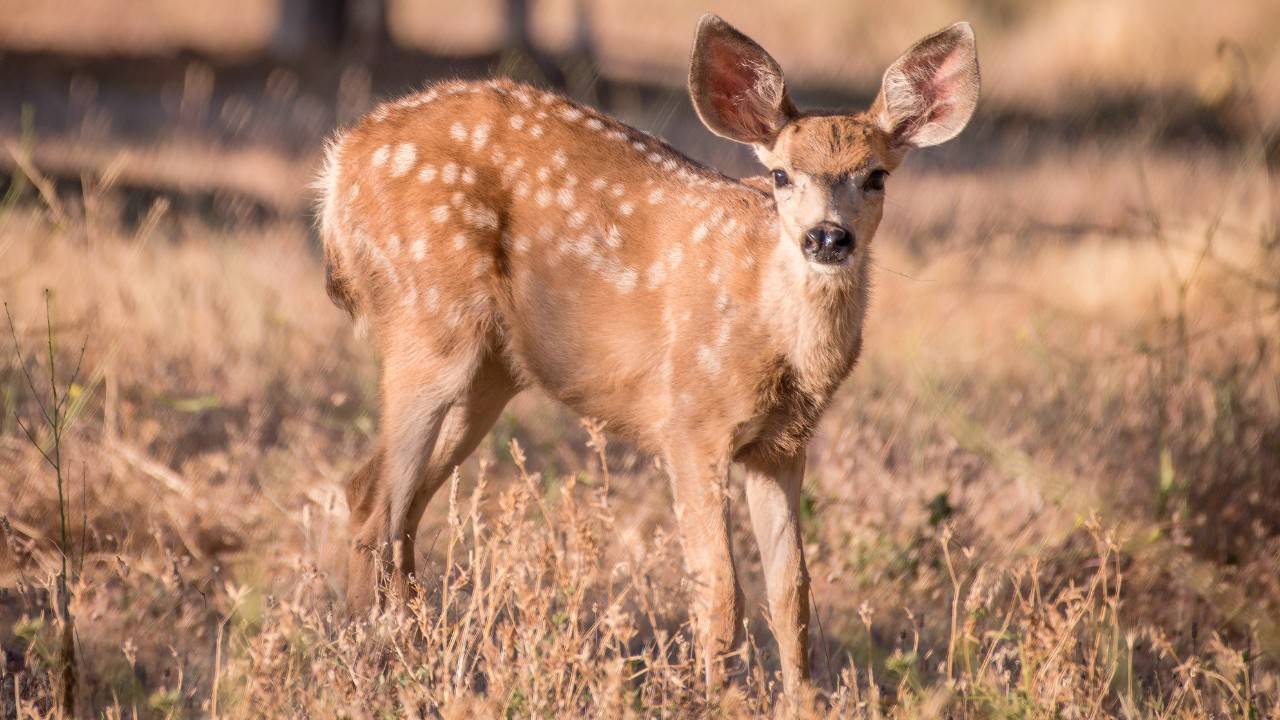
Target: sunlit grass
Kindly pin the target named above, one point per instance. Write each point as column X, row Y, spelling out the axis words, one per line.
column 1048, row 489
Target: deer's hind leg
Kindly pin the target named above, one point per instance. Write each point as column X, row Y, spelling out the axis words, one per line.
column 434, row 413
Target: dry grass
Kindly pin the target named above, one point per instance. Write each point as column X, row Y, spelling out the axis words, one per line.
column 1049, row 490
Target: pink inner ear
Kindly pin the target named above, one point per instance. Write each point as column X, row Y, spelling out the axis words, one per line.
column 733, row 81
column 934, row 74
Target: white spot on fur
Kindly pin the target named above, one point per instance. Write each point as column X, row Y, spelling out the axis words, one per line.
column 410, row 298
column 521, row 244
column 456, row 199
column 708, row 359
column 570, row 113
column 480, row 135
column 543, row 174
column 440, row 214
column 516, row 122
column 458, row 131
column 639, row 146
column 657, row 274
column 612, row 237
column 481, row 217
column 675, row 255
column 577, row 218
column 402, row 163
column 618, row 190
column 599, row 184
column 419, row 249
column 565, row 198
column 722, row 300
column 536, row 131
column 595, row 124
column 468, row 176
column 700, row 232
column 380, row 156
column 627, row 208
column 459, row 241
column 427, row 173
column 543, row 197
column 654, row 158
column 625, row 279
column 655, row 197
column 416, row 100
column 449, row 174
column 510, row 169
column 559, row 159
column 581, row 246
column 393, row 244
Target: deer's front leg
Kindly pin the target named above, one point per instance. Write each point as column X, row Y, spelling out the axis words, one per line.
column 773, row 497
column 699, row 482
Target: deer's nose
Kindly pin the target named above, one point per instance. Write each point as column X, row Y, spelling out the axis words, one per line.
column 827, row 243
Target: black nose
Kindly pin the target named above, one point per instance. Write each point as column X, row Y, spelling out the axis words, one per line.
column 828, row 243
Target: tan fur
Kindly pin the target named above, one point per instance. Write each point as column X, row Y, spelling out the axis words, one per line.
column 497, row 237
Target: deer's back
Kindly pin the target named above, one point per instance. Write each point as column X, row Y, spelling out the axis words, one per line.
column 598, row 260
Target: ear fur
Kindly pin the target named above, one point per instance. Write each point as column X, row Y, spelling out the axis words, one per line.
column 737, row 89
column 929, row 94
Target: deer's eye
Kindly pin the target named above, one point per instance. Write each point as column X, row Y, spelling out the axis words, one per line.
column 780, row 178
column 875, row 181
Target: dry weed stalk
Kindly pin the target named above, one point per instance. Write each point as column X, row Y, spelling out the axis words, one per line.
column 54, row 411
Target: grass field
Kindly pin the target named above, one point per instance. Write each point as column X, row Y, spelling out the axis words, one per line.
column 1051, row 488
column 1048, row 490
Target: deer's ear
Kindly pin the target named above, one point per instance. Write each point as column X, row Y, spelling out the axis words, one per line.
column 737, row 89
column 928, row 95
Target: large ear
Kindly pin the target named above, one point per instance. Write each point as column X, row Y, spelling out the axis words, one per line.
column 737, row 89
column 928, row 95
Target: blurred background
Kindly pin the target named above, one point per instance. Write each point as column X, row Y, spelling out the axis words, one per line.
column 230, row 99
column 1051, row 487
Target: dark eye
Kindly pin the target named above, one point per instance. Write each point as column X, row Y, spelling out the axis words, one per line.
column 780, row 178
column 875, row 181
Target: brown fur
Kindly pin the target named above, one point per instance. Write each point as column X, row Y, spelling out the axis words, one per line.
column 497, row 237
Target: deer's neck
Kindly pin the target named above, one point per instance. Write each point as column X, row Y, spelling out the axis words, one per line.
column 815, row 319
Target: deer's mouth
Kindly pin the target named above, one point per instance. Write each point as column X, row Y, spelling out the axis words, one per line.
column 837, row 267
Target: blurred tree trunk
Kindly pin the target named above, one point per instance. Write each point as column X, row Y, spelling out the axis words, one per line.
column 519, row 42
column 354, row 30
column 593, row 80
column 347, row 33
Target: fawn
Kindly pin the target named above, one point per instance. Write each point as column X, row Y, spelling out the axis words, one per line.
column 497, row 237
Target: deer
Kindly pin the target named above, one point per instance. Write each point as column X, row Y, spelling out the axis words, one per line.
column 495, row 237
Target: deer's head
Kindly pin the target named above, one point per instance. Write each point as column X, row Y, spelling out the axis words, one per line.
column 829, row 170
